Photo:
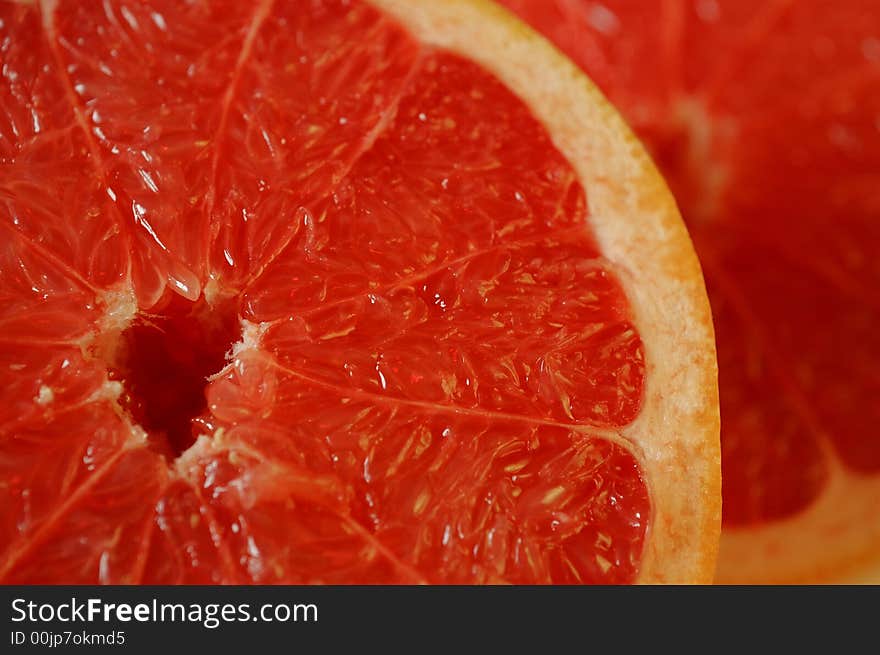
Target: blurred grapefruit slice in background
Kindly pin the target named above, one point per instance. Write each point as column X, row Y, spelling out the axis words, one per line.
column 764, row 117
column 338, row 292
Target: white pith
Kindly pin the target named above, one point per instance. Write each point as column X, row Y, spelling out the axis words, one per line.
column 842, row 520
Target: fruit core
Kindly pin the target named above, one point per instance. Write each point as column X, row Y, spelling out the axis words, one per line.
column 164, row 360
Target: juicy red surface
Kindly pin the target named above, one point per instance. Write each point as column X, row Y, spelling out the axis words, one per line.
column 433, row 345
column 789, row 239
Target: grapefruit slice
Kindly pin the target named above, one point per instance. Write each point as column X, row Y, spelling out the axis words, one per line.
column 763, row 117
column 338, row 292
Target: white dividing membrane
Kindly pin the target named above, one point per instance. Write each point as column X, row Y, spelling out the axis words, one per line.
column 251, row 337
column 120, row 310
column 44, row 396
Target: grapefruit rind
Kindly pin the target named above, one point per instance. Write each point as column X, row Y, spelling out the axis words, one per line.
column 640, row 231
column 842, row 521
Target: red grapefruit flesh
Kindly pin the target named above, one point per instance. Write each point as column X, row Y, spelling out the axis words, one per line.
column 291, row 296
column 765, row 119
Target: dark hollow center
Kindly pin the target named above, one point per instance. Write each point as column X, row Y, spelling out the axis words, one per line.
column 164, row 360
